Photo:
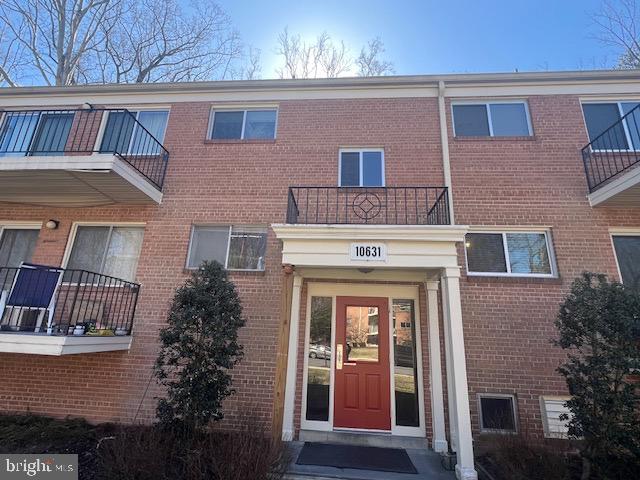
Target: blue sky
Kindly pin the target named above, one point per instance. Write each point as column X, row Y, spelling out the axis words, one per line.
column 437, row 36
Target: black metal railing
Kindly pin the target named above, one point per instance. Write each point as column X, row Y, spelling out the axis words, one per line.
column 368, row 205
column 84, row 131
column 57, row 301
column 614, row 151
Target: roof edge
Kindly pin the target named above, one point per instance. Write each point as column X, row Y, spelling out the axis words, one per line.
column 396, row 81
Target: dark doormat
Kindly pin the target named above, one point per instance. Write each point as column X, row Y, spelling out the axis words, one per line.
column 353, row 456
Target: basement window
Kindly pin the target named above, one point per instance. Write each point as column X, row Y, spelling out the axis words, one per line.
column 497, row 413
column 496, row 119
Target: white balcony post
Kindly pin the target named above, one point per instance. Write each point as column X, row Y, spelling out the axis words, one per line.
column 435, row 369
column 457, row 369
column 292, row 361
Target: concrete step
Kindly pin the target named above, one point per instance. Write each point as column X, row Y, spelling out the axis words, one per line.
column 364, row 439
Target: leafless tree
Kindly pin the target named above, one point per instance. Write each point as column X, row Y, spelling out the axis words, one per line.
column 369, row 62
column 325, row 59
column 51, row 37
column 158, row 40
column 619, row 26
column 62, row 42
column 311, row 60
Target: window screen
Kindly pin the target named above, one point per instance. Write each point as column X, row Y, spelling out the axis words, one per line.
column 599, row 118
column 497, row 413
column 485, row 252
column 471, row 120
column 628, row 254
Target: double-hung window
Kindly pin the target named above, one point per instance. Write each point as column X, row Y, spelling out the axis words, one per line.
column 627, row 250
column 605, row 129
column 494, row 119
column 110, row 250
column 526, row 254
column 134, row 132
column 361, row 168
column 254, row 124
column 234, row 247
column 35, row 133
column 17, row 245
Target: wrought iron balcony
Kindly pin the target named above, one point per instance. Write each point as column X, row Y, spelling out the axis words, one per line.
column 80, row 157
column 613, row 153
column 368, row 205
column 65, row 302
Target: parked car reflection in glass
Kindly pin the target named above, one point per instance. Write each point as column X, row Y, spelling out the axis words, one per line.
column 317, row 350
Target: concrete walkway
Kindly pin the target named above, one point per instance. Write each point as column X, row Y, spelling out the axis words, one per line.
column 426, row 462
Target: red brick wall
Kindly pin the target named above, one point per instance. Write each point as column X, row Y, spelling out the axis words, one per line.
column 508, row 322
column 537, row 182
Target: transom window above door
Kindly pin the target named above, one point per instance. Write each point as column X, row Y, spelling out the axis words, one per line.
column 361, row 168
column 492, row 119
column 109, row 250
column 600, row 117
column 254, row 124
column 123, row 135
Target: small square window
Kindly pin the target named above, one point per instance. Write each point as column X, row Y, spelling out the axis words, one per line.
column 361, row 168
column 500, row 119
column 497, row 413
column 244, row 124
column 627, row 250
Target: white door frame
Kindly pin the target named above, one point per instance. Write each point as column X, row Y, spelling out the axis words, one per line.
column 333, row 290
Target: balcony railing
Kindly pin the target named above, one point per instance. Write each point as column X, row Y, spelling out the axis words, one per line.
column 614, row 151
column 84, row 131
column 57, row 301
column 368, row 205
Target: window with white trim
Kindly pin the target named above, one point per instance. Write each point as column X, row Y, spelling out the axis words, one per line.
column 17, row 245
column 234, row 247
column 250, row 124
column 492, row 119
column 107, row 249
column 552, row 408
column 627, row 250
column 361, row 168
column 509, row 253
column 497, row 413
column 124, row 135
column 601, row 116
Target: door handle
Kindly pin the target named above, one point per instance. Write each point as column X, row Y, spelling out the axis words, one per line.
column 339, row 357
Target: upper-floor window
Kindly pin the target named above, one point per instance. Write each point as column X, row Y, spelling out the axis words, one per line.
column 243, row 124
column 627, row 250
column 361, row 168
column 124, row 135
column 111, row 250
column 35, row 133
column 604, row 117
column 493, row 119
column 234, row 247
column 509, row 254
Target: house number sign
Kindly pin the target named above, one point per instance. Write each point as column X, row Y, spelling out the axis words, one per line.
column 376, row 252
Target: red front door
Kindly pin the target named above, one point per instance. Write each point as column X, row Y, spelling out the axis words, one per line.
column 362, row 364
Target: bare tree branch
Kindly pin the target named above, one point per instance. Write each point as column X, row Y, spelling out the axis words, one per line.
column 369, row 62
column 618, row 24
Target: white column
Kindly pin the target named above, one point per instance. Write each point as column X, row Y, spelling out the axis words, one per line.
column 451, row 392
column 465, row 469
column 292, row 361
column 435, row 369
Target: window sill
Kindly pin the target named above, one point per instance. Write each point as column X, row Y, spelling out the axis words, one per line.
column 232, row 141
column 231, row 273
column 527, row 138
column 484, row 279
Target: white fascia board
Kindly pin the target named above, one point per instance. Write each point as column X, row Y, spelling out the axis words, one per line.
column 431, row 233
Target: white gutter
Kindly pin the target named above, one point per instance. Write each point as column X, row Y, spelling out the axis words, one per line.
column 444, row 141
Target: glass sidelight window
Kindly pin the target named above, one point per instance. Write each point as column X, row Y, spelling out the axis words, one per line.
column 362, row 334
column 404, row 364
column 319, row 365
